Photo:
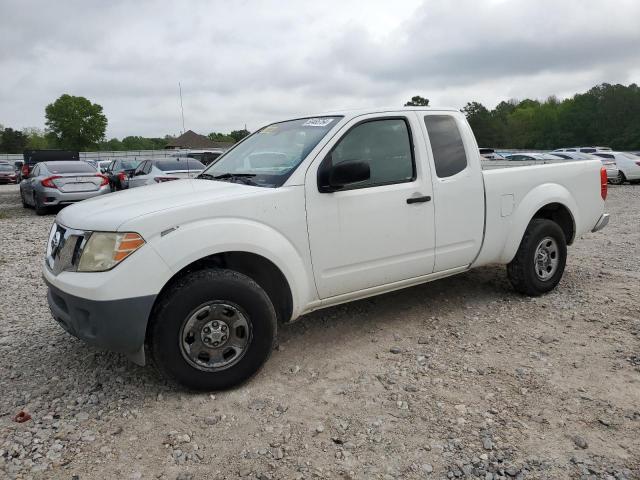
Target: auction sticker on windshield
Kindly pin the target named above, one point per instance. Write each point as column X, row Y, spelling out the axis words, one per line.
column 317, row 122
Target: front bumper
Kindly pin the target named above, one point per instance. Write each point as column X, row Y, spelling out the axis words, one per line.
column 52, row 196
column 117, row 325
column 602, row 222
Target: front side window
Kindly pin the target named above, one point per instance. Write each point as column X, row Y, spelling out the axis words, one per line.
column 449, row 155
column 384, row 144
column 269, row 157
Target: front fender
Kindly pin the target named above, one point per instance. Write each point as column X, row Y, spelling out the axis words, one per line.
column 533, row 201
column 196, row 240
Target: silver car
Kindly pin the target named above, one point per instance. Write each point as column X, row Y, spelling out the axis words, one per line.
column 609, row 164
column 150, row 172
column 61, row 183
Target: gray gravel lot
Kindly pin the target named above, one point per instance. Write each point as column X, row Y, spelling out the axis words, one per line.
column 460, row 378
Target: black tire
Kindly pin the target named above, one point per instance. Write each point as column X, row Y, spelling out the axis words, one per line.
column 40, row 209
column 619, row 180
column 522, row 269
column 24, row 202
column 186, row 296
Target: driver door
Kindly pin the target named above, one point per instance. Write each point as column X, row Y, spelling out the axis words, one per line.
column 378, row 231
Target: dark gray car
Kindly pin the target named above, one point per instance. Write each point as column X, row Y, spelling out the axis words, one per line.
column 61, row 183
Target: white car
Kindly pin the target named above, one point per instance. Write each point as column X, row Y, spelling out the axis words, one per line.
column 532, row 157
column 150, row 172
column 609, row 164
column 302, row 215
column 628, row 166
column 490, row 154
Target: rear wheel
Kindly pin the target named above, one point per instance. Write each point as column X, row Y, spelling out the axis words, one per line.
column 620, row 179
column 540, row 260
column 24, row 201
column 40, row 209
column 212, row 330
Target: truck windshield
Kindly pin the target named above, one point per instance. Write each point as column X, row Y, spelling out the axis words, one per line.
column 269, row 156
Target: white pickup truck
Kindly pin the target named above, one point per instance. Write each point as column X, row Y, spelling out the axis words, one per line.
column 302, row 215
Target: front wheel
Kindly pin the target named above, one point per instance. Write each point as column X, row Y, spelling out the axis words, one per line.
column 540, row 260
column 212, row 330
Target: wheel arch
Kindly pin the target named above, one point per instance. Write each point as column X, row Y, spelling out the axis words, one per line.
column 550, row 201
column 260, row 269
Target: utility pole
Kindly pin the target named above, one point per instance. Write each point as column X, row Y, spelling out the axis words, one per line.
column 181, row 107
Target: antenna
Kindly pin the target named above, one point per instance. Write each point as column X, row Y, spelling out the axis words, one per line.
column 181, row 107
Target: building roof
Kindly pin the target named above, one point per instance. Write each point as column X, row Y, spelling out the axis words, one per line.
column 191, row 139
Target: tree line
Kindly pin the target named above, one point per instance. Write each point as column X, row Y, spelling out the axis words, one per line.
column 605, row 115
column 75, row 123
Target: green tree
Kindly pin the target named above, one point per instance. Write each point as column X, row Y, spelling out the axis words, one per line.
column 12, row 141
column 417, row 101
column 36, row 138
column 238, row 135
column 75, row 123
column 482, row 123
column 220, row 137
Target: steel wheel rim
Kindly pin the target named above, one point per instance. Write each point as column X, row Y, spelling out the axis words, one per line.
column 215, row 336
column 546, row 258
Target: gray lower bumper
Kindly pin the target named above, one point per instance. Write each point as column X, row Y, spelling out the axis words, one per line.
column 602, row 222
column 117, row 325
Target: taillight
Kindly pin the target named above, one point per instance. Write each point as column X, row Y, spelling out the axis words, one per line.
column 104, row 180
column 48, row 182
column 25, row 170
column 122, row 176
column 603, row 183
column 165, row 179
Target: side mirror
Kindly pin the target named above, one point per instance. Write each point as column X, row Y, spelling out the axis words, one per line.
column 343, row 174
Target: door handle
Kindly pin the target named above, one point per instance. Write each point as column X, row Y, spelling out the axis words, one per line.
column 411, row 200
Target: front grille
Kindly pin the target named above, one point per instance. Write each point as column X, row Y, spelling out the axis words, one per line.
column 64, row 249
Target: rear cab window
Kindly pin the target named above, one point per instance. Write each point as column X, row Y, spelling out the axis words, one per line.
column 449, row 155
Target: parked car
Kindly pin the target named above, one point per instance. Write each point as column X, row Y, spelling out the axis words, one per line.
column 490, row 154
column 628, row 166
column 150, row 172
column 592, row 149
column 306, row 214
column 61, row 183
column 103, row 165
column 119, row 171
column 532, row 156
column 33, row 157
column 8, row 173
column 610, row 165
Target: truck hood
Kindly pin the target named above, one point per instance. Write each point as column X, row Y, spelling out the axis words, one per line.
column 107, row 212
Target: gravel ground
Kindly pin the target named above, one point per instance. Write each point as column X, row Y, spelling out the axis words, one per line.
column 460, row 378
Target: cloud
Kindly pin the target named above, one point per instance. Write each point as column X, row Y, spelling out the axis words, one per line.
column 258, row 61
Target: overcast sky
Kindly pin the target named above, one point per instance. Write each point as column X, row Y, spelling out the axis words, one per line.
column 253, row 62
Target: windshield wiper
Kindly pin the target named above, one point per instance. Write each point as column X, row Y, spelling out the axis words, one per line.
column 206, row 176
column 234, row 175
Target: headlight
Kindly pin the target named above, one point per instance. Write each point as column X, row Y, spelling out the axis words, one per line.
column 104, row 251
